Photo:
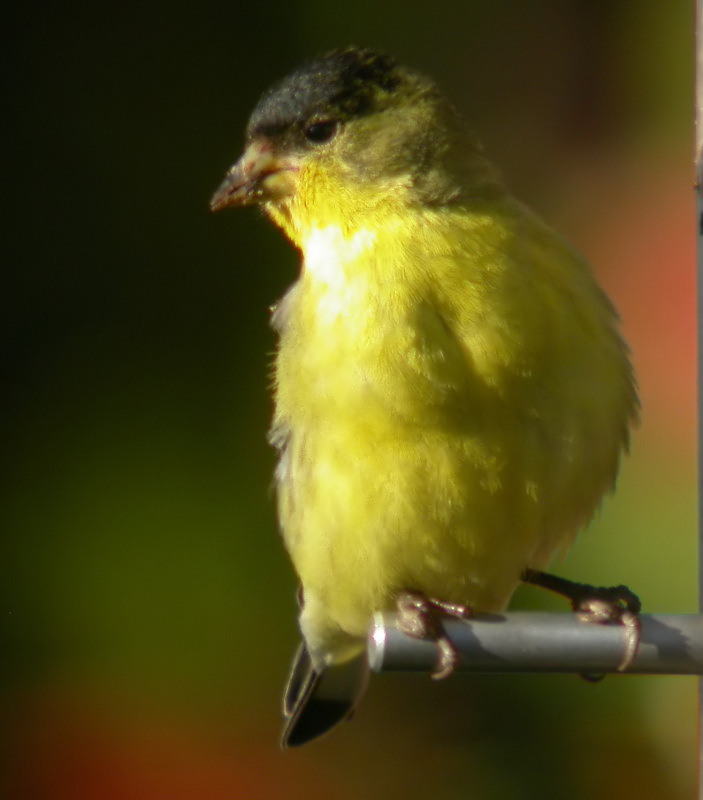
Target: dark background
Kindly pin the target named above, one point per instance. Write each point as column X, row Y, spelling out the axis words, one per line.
column 147, row 605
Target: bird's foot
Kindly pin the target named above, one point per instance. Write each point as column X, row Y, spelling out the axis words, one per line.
column 421, row 617
column 598, row 604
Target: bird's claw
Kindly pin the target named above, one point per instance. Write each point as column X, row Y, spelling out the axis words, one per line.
column 610, row 605
column 598, row 604
column 421, row 618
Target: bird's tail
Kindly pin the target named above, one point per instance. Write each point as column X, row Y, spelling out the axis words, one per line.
column 314, row 702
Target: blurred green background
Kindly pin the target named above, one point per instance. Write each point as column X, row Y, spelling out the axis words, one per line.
column 147, row 605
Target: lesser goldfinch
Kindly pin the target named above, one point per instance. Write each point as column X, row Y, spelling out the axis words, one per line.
column 452, row 393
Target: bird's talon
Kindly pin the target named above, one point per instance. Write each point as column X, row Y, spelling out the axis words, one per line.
column 598, row 604
column 633, row 627
column 421, row 618
column 447, row 659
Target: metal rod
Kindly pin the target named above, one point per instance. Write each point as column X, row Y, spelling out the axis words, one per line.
column 670, row 644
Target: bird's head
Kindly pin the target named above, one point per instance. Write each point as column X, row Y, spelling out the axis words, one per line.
column 351, row 133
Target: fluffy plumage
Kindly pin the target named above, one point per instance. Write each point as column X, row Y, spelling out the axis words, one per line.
column 452, row 393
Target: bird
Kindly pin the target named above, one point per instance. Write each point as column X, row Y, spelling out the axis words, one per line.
column 452, row 391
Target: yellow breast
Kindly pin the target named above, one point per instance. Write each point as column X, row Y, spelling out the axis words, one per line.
column 452, row 403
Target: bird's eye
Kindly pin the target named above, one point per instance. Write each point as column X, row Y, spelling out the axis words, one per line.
column 322, row 131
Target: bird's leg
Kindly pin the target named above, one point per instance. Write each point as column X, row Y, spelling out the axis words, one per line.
column 421, row 618
column 599, row 604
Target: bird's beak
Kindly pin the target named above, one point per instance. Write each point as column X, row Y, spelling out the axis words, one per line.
column 258, row 176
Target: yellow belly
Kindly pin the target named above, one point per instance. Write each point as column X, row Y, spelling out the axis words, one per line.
column 439, row 441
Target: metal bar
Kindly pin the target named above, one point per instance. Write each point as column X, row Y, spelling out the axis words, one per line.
column 670, row 644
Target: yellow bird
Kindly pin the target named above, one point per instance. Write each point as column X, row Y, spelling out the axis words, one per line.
column 452, row 394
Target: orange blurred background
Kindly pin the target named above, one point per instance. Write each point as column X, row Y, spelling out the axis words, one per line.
column 147, row 605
